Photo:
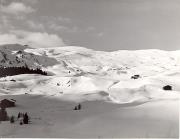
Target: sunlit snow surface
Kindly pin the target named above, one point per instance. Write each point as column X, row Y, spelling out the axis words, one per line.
column 113, row 104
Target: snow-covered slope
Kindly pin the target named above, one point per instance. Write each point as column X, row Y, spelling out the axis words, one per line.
column 87, row 73
column 119, row 64
column 113, row 104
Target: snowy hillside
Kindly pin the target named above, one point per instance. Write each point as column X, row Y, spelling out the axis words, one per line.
column 77, row 70
column 117, row 64
column 80, row 75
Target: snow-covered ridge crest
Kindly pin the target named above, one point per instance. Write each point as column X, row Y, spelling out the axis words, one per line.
column 72, row 60
column 116, row 63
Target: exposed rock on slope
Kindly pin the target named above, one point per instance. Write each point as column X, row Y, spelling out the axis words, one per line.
column 15, row 56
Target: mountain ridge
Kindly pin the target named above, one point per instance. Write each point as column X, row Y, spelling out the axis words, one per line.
column 80, row 60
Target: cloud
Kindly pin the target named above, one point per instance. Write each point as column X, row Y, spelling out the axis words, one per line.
column 64, row 19
column 8, row 39
column 100, row 34
column 67, row 29
column 90, row 29
column 33, row 39
column 56, row 27
column 35, row 25
column 57, row 19
column 17, row 8
column 5, row 22
column 30, row 1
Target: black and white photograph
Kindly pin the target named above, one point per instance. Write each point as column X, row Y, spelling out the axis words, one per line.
column 89, row 69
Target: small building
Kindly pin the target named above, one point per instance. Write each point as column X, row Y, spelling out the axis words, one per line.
column 135, row 76
column 6, row 103
column 167, row 87
column 12, row 80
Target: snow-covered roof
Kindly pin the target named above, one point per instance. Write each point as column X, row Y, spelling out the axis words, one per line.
column 11, row 100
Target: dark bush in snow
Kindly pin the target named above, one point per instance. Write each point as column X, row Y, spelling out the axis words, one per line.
column 78, row 107
column 25, row 119
column 12, row 120
column 21, row 123
column 3, row 114
column 75, row 108
column 19, row 115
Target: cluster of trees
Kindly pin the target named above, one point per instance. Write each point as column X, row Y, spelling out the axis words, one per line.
column 22, row 117
column 10, row 71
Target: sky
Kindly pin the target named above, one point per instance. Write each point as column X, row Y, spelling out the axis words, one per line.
column 107, row 25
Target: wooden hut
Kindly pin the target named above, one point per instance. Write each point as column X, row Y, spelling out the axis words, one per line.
column 6, row 103
column 167, row 87
column 135, row 76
